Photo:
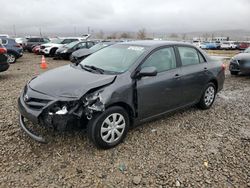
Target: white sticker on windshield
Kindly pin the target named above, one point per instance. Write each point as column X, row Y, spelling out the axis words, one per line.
column 137, row 48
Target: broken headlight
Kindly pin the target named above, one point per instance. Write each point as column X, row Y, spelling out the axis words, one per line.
column 93, row 103
column 62, row 108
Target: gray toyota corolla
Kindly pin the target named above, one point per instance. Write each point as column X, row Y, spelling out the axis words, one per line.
column 121, row 86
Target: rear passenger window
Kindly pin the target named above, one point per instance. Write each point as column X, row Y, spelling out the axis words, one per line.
column 4, row 41
column 162, row 60
column 189, row 56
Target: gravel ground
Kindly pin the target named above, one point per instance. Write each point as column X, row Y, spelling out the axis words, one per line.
column 189, row 148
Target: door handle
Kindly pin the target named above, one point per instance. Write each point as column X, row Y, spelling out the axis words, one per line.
column 205, row 68
column 177, row 76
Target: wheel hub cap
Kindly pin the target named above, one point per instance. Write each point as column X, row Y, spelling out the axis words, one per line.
column 209, row 96
column 113, row 127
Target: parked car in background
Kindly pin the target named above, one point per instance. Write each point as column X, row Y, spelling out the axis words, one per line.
column 79, row 55
column 33, row 41
column 49, row 49
column 65, row 51
column 121, row 86
column 228, row 45
column 243, row 45
column 36, row 49
column 210, row 45
column 14, row 50
column 4, row 65
column 240, row 63
column 21, row 41
column 4, row 36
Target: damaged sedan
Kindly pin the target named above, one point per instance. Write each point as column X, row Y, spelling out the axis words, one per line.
column 119, row 87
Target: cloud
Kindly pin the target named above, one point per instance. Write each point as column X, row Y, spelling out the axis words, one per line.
column 124, row 15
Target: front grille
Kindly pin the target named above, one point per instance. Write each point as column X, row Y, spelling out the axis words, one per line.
column 35, row 100
column 42, row 47
column 35, row 103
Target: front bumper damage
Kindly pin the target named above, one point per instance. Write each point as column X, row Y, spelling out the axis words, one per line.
column 57, row 114
column 242, row 66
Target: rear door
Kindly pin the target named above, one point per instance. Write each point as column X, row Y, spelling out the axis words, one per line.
column 194, row 73
column 162, row 92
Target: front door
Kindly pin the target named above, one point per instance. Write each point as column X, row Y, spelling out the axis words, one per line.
column 162, row 92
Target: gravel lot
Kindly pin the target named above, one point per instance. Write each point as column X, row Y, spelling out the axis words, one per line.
column 189, row 148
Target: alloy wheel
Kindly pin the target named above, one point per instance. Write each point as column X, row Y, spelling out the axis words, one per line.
column 209, row 95
column 11, row 58
column 113, row 127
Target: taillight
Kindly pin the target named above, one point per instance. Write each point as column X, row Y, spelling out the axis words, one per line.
column 223, row 66
column 3, row 50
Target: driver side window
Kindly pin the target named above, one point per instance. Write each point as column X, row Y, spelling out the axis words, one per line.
column 162, row 60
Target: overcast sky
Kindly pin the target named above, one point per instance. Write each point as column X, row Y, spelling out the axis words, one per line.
column 167, row 16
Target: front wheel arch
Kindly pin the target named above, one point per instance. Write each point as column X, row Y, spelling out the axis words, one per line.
column 95, row 125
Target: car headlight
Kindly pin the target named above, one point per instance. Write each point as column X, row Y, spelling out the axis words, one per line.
column 62, row 107
column 64, row 51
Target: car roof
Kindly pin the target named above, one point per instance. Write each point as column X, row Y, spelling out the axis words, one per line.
column 154, row 43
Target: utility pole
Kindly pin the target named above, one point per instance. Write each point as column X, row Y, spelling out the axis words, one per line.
column 14, row 30
column 88, row 30
column 75, row 31
column 40, row 31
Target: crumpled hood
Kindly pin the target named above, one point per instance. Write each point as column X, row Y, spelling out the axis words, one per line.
column 242, row 56
column 68, row 81
column 82, row 52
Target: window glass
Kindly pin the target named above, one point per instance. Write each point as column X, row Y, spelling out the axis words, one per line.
column 90, row 44
column 4, row 41
column 162, row 60
column 116, row 58
column 66, row 41
column 202, row 60
column 34, row 40
column 82, row 45
column 189, row 56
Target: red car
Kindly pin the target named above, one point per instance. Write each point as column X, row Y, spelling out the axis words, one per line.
column 36, row 49
column 243, row 45
column 4, row 65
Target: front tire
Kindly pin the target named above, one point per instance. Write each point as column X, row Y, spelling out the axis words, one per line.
column 52, row 52
column 109, row 128
column 208, row 97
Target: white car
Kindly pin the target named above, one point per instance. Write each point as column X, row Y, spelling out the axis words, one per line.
column 228, row 45
column 49, row 49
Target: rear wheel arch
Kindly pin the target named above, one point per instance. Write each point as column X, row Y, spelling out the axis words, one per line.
column 215, row 82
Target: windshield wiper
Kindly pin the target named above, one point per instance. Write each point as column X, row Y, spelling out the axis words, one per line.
column 95, row 68
column 85, row 68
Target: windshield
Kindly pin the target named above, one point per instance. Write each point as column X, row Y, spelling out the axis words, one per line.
column 98, row 46
column 72, row 44
column 247, row 50
column 115, row 58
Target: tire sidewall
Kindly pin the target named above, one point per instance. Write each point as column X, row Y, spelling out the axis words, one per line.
column 202, row 103
column 94, row 127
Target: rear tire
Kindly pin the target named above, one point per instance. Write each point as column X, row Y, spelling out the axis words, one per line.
column 234, row 72
column 208, row 97
column 109, row 128
column 11, row 58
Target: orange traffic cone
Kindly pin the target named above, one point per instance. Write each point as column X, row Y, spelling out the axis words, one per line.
column 43, row 64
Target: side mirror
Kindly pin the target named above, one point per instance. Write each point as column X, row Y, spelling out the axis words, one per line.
column 147, row 71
